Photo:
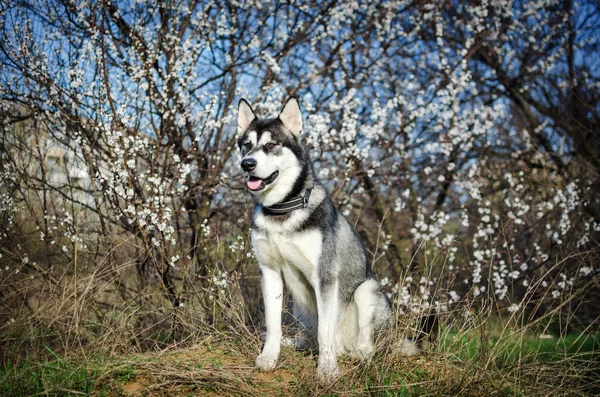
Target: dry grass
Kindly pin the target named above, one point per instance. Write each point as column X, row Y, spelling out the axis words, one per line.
column 222, row 365
column 100, row 333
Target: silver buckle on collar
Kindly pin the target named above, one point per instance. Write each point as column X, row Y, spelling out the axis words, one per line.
column 306, row 197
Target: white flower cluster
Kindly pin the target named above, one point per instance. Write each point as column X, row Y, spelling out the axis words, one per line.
column 416, row 302
column 238, row 244
column 220, row 279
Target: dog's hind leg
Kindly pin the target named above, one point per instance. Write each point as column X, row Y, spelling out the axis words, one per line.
column 272, row 288
column 363, row 298
column 373, row 313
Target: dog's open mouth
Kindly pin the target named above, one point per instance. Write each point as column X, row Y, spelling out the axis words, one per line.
column 255, row 183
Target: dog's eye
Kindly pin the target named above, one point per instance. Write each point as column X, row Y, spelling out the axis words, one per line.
column 247, row 145
column 270, row 145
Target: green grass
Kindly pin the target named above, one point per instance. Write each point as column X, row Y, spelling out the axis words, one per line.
column 527, row 347
column 57, row 377
column 64, row 376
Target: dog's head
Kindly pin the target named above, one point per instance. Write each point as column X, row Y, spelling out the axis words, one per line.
column 272, row 156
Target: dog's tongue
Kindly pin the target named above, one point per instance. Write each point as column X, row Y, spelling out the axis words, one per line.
column 253, row 184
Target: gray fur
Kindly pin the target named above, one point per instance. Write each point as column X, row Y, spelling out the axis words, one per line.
column 315, row 250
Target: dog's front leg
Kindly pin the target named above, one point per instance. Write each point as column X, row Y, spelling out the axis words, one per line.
column 272, row 289
column 328, row 310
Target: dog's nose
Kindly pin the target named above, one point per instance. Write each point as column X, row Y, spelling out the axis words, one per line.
column 248, row 164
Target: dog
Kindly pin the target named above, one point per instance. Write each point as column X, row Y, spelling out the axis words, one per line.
column 300, row 238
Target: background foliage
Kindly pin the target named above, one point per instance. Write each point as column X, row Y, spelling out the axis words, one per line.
column 460, row 137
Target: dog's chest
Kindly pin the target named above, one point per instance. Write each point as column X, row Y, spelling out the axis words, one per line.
column 300, row 250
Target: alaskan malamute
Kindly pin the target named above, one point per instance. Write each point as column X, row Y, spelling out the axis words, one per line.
column 300, row 237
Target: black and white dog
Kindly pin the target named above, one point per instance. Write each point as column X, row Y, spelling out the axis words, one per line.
column 300, row 237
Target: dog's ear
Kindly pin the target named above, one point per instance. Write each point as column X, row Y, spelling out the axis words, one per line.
column 291, row 116
column 245, row 116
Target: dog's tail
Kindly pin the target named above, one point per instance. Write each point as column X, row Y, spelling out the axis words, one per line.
column 408, row 347
column 428, row 329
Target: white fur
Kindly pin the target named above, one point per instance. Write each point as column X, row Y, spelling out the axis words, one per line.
column 289, row 255
column 291, row 116
column 285, row 254
column 328, row 308
column 286, row 163
column 272, row 289
column 252, row 137
column 408, row 348
column 282, row 254
column 245, row 116
column 264, row 138
column 364, row 299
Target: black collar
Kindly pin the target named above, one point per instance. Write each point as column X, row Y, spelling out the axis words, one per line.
column 300, row 201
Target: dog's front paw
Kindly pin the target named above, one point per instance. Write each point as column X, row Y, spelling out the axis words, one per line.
column 266, row 361
column 327, row 370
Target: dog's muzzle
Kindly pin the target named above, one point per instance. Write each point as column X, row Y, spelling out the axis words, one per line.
column 255, row 183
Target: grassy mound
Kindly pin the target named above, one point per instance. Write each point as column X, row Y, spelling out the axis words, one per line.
column 458, row 366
